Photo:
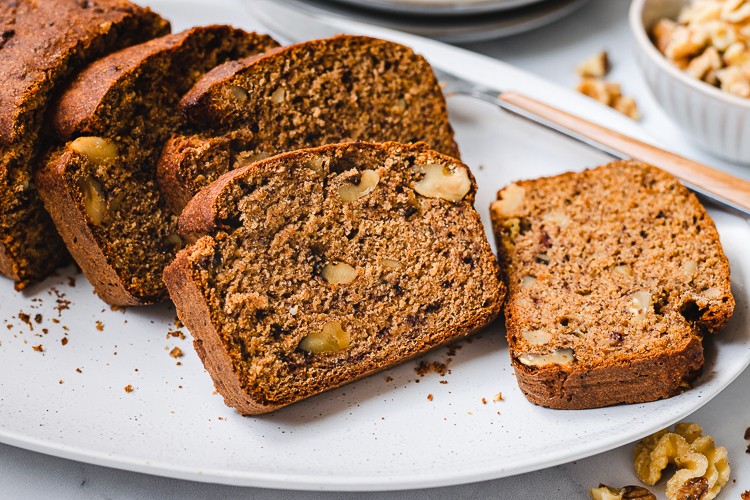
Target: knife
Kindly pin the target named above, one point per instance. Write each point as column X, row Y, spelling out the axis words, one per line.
column 715, row 186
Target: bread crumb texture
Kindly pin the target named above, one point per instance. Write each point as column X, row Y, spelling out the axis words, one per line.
column 341, row 89
column 424, row 273
column 100, row 187
column 614, row 276
column 41, row 45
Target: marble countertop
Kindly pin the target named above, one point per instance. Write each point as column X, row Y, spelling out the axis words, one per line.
column 550, row 52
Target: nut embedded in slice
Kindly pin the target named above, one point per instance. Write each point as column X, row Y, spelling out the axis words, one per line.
column 391, row 264
column 562, row 357
column 536, row 337
column 642, row 302
column 278, row 96
column 93, row 199
column 527, row 281
column 367, row 183
column 238, row 93
column 95, row 149
column 245, row 158
column 339, row 274
column 332, row 338
column 511, row 198
column 712, row 293
column 442, row 181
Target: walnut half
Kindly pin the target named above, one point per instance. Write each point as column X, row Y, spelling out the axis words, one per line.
column 604, row 492
column 332, row 338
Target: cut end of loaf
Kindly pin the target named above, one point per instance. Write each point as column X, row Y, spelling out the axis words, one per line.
column 614, row 276
column 102, row 185
column 341, row 89
column 322, row 266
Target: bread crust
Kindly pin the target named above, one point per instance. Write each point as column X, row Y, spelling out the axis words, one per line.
column 76, row 229
column 201, row 220
column 88, row 107
column 41, row 44
column 228, row 130
column 81, row 108
column 661, row 376
column 640, row 376
column 202, row 105
column 64, row 28
column 177, row 187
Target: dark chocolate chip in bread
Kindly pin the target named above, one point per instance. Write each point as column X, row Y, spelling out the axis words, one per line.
column 317, row 267
column 41, row 44
column 614, row 276
column 100, row 187
column 341, row 89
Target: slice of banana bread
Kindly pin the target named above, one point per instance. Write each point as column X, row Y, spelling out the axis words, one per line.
column 314, row 268
column 341, row 89
column 100, row 188
column 41, row 44
column 614, row 277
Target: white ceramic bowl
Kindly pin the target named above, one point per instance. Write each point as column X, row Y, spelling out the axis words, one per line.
column 717, row 121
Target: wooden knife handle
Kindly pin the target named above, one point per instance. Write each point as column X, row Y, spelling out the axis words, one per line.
column 726, row 186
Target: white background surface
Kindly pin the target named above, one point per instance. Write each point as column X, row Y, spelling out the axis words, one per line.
column 551, row 52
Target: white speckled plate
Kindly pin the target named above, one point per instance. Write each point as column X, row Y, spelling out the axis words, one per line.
column 375, row 434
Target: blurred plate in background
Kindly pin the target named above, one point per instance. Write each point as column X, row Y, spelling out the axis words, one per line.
column 440, row 7
column 453, row 29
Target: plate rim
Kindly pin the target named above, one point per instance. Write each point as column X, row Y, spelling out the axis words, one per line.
column 354, row 483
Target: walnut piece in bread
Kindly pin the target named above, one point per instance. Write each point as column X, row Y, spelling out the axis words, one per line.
column 290, row 290
column 614, row 277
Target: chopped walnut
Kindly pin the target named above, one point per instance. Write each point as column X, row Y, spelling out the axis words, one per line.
column 711, row 42
column 609, row 93
column 594, row 67
column 702, row 467
column 604, row 492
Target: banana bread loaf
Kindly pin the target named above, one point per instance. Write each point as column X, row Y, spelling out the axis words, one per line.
column 614, row 276
column 317, row 267
column 341, row 89
column 41, row 44
column 100, row 187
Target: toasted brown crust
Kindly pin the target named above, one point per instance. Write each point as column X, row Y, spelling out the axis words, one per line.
column 194, row 313
column 87, row 104
column 644, row 231
column 125, row 99
column 41, row 44
column 397, row 99
column 39, row 39
column 77, row 230
column 193, row 102
column 203, row 222
column 661, row 376
column 174, row 182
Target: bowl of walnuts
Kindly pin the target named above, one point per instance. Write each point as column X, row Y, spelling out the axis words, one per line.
column 695, row 55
